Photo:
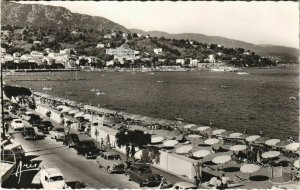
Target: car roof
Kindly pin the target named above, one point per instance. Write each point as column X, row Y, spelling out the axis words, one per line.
column 53, row 171
column 28, row 128
column 17, row 119
column 138, row 166
column 10, row 146
column 184, row 184
column 110, row 153
column 28, row 112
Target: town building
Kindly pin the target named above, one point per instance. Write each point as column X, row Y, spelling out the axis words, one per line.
column 100, row 45
column 123, row 52
column 17, row 54
column 211, row 58
column 247, row 53
column 3, row 51
column 194, row 62
column 37, row 54
column 180, row 61
column 157, row 50
column 37, row 42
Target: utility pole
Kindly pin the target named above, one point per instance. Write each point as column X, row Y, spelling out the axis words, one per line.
column 2, row 104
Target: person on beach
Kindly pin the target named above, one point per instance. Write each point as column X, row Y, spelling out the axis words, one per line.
column 102, row 143
column 219, row 183
column 127, row 151
column 132, row 152
column 261, row 132
column 6, row 127
column 245, row 131
column 196, row 181
column 224, row 181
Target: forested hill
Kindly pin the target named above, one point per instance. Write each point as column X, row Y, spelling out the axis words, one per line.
column 35, row 15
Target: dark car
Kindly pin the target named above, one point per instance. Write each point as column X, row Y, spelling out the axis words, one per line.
column 71, row 140
column 21, row 111
column 87, row 148
column 34, row 120
column 142, row 174
column 29, row 133
column 45, row 127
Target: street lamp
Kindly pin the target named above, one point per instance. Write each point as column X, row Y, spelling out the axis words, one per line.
column 2, row 103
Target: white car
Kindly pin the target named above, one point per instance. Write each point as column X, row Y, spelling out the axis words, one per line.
column 27, row 115
column 52, row 178
column 58, row 134
column 17, row 124
column 184, row 185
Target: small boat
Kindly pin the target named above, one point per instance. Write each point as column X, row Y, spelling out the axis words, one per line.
column 93, row 90
column 179, row 119
column 292, row 98
column 45, row 88
column 242, row 73
column 152, row 73
column 99, row 93
column 225, row 86
column 97, row 90
column 159, row 81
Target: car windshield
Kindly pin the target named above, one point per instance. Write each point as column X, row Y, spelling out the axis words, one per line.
column 56, row 178
column 18, row 121
column 74, row 137
column 145, row 170
column 114, row 157
column 60, row 130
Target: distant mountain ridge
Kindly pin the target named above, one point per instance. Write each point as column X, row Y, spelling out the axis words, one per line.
column 36, row 15
column 263, row 50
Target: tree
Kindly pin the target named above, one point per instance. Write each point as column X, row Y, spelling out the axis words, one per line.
column 16, row 91
column 136, row 138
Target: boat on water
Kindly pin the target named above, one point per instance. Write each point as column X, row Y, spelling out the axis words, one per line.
column 293, row 98
column 159, row 81
column 225, row 86
column 93, row 90
column 242, row 73
column 47, row 88
column 225, row 69
column 99, row 93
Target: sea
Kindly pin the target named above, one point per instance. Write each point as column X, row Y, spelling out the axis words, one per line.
column 264, row 99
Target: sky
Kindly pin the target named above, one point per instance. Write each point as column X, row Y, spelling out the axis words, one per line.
column 274, row 23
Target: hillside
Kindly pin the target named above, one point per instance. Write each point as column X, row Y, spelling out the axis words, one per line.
column 263, row 50
column 35, row 15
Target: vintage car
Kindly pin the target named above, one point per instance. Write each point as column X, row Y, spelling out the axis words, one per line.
column 45, row 127
column 71, row 140
column 29, row 133
column 34, row 120
column 21, row 111
column 52, row 178
column 58, row 134
column 87, row 148
column 184, row 185
column 27, row 115
column 12, row 153
column 142, row 174
column 6, row 115
column 17, row 124
column 111, row 161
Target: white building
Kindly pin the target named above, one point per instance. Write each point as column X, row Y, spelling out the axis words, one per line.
column 180, row 61
column 17, row 54
column 37, row 54
column 100, row 45
column 157, row 50
column 211, row 58
column 122, row 52
column 37, row 42
column 247, row 53
column 3, row 51
column 194, row 62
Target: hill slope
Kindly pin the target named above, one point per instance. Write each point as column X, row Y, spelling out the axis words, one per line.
column 35, row 15
column 226, row 42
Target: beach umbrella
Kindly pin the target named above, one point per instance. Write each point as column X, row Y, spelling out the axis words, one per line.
column 249, row 168
column 261, row 140
column 221, row 159
column 194, row 136
column 189, row 126
column 79, row 114
column 296, row 164
column 270, row 154
column 66, row 109
column 173, row 134
column 156, row 139
column 170, row 143
column 235, row 135
column 184, row 149
column 282, row 144
column 218, row 131
column 87, row 116
column 201, row 153
column 211, row 141
column 293, row 146
column 272, row 142
column 203, row 128
column 252, row 138
column 238, row 147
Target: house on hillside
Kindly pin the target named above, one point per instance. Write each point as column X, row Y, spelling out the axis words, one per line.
column 107, row 36
column 3, row 51
column 247, row 53
column 158, row 50
column 37, row 42
column 180, row 61
column 194, row 62
column 100, row 45
column 122, row 52
column 17, row 54
column 211, row 58
column 37, row 54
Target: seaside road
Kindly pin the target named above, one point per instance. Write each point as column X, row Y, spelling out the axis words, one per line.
column 74, row 167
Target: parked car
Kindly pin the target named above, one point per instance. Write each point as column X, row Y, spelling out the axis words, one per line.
column 142, row 174
column 58, row 134
column 52, row 178
column 71, row 140
column 17, row 124
column 34, row 120
column 27, row 115
column 29, row 133
column 184, row 185
column 21, row 111
column 12, row 153
column 45, row 126
column 87, row 148
column 6, row 115
column 111, row 161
